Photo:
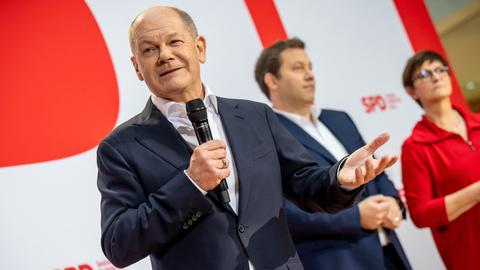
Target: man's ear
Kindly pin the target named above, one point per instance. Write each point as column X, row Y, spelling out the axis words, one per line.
column 135, row 66
column 271, row 81
column 201, row 45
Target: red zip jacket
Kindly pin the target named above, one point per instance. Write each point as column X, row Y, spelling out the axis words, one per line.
column 436, row 163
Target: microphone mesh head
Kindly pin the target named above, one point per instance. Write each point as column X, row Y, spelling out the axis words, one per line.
column 196, row 110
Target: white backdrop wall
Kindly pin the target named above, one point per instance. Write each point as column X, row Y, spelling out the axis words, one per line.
column 49, row 211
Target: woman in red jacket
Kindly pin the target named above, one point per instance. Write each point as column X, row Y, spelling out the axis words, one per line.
column 441, row 164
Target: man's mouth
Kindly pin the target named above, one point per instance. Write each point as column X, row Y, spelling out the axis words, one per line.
column 169, row 71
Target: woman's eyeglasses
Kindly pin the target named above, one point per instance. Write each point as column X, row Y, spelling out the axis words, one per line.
column 426, row 74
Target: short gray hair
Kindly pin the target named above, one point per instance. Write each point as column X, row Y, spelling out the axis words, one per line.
column 184, row 16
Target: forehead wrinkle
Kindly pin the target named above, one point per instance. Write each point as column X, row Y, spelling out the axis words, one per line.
column 145, row 37
column 148, row 19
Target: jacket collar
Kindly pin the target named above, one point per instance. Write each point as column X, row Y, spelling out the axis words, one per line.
column 156, row 133
column 305, row 139
column 425, row 131
column 243, row 142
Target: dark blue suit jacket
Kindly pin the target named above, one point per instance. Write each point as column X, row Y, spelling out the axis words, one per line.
column 150, row 207
column 337, row 241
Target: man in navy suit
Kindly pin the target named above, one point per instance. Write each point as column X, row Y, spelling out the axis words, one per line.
column 361, row 237
column 157, row 185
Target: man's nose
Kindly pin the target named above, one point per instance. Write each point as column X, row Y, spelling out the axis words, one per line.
column 165, row 54
column 309, row 74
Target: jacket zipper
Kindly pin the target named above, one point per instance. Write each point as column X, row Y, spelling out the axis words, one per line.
column 470, row 144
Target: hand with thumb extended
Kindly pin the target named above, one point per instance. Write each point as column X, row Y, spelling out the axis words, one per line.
column 361, row 167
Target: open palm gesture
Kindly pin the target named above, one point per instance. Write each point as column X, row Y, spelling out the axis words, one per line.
column 361, row 167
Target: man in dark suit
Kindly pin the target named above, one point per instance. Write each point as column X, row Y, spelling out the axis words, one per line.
column 361, row 237
column 157, row 184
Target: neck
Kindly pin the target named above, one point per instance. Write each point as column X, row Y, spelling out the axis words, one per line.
column 189, row 93
column 439, row 111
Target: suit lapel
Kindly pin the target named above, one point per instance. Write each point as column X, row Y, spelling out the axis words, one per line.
column 305, row 139
column 345, row 132
column 158, row 135
column 242, row 141
column 338, row 129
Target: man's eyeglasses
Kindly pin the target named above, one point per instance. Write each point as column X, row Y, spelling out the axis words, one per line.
column 426, row 74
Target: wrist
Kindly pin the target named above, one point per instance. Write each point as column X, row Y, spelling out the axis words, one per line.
column 204, row 192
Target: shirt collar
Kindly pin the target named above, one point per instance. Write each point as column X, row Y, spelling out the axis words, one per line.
column 177, row 109
column 315, row 111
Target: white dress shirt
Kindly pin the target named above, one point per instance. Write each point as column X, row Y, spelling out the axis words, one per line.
column 326, row 138
column 177, row 115
column 318, row 131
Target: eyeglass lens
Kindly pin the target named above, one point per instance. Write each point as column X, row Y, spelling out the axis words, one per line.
column 427, row 74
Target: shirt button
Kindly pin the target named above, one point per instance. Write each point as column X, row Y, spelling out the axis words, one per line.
column 241, row 228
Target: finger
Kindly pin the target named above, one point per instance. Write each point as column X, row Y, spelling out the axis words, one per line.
column 383, row 207
column 392, row 161
column 381, row 165
column 219, row 163
column 397, row 219
column 391, row 214
column 377, row 198
column 398, row 214
column 386, row 161
column 395, row 207
column 377, row 142
column 225, row 163
column 369, row 170
column 390, row 224
column 214, row 144
column 358, row 177
column 223, row 173
column 216, row 154
column 395, row 222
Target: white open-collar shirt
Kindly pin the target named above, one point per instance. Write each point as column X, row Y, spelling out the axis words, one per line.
column 176, row 114
column 325, row 137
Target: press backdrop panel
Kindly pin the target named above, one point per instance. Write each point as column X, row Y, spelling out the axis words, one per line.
column 49, row 206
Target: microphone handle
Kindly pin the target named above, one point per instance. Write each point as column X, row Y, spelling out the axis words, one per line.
column 222, row 192
column 203, row 133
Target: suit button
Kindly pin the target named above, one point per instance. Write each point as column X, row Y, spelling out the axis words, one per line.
column 194, row 218
column 241, row 228
column 185, row 226
column 190, row 222
column 198, row 214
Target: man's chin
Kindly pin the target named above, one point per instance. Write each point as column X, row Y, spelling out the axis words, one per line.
column 172, row 89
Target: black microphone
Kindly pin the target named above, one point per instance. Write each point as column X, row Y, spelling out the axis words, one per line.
column 197, row 113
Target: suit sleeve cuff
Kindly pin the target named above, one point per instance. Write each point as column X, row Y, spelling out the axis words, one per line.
column 195, row 184
column 401, row 206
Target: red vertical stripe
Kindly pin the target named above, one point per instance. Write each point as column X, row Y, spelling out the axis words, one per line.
column 413, row 13
column 423, row 36
column 267, row 21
